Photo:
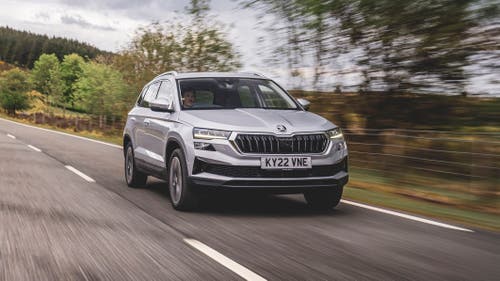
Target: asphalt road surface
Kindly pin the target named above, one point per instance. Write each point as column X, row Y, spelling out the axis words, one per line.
column 67, row 214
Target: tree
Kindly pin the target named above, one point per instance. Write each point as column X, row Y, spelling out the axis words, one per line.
column 71, row 70
column 101, row 90
column 46, row 78
column 198, row 8
column 198, row 44
column 14, row 87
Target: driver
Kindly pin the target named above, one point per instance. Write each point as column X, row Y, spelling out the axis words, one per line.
column 188, row 98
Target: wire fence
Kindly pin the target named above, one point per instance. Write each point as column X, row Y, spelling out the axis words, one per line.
column 77, row 122
column 447, row 166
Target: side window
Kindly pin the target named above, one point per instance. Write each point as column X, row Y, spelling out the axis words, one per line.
column 141, row 96
column 166, row 91
column 150, row 95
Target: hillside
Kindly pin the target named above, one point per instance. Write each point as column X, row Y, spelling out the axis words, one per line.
column 5, row 66
column 23, row 48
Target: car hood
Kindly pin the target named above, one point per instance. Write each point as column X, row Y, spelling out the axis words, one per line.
column 256, row 120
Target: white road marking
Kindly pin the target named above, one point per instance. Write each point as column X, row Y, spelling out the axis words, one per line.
column 410, row 217
column 34, row 148
column 61, row 133
column 84, row 176
column 11, row 136
column 223, row 260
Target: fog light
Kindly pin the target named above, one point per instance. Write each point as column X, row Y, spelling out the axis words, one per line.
column 204, row 146
column 341, row 146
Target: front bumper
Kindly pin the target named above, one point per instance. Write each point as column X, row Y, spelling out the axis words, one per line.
column 255, row 179
column 283, row 186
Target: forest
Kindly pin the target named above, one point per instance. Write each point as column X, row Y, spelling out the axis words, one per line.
column 22, row 48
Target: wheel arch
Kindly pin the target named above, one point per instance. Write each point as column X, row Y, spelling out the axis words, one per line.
column 172, row 144
column 126, row 140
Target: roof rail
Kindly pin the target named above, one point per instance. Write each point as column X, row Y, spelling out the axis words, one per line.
column 260, row 74
column 173, row 73
column 256, row 74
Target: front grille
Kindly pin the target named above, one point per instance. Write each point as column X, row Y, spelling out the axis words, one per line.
column 270, row 144
column 257, row 172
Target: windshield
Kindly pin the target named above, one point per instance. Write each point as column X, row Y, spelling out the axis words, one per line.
column 224, row 93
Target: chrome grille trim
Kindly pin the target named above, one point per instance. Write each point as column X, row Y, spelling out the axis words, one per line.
column 250, row 143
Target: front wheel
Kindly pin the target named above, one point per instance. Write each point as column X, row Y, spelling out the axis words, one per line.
column 134, row 177
column 324, row 199
column 182, row 194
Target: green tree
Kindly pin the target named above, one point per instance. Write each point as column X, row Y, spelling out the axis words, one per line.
column 101, row 90
column 46, row 78
column 14, row 87
column 71, row 70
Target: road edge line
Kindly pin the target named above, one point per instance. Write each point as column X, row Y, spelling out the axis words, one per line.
column 406, row 216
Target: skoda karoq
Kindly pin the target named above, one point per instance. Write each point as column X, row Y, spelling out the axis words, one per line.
column 238, row 131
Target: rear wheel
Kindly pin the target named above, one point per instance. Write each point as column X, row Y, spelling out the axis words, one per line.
column 182, row 195
column 324, row 199
column 134, row 177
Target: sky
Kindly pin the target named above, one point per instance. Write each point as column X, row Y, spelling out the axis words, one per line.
column 110, row 24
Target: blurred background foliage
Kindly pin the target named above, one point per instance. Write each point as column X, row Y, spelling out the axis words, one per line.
column 416, row 46
column 412, row 127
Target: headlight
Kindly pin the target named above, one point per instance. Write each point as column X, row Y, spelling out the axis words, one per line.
column 335, row 134
column 209, row 134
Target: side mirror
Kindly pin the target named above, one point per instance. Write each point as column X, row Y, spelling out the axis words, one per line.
column 162, row 105
column 305, row 103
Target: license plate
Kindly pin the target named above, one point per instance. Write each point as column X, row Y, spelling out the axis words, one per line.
column 286, row 162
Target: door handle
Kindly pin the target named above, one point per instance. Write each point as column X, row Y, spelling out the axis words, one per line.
column 133, row 119
column 146, row 123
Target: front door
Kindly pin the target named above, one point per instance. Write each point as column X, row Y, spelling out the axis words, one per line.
column 158, row 124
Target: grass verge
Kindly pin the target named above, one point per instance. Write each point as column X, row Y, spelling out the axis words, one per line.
column 428, row 209
column 87, row 134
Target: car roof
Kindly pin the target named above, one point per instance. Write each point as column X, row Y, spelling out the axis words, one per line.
column 218, row 74
column 187, row 75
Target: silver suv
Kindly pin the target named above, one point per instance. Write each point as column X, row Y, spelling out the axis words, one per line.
column 237, row 131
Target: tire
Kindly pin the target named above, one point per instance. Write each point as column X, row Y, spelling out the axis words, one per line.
column 133, row 177
column 324, row 199
column 182, row 195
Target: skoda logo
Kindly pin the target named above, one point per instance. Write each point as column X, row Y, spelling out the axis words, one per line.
column 281, row 128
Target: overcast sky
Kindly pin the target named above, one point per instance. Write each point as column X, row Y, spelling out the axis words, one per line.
column 110, row 24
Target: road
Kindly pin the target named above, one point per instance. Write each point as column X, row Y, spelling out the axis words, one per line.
column 67, row 214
